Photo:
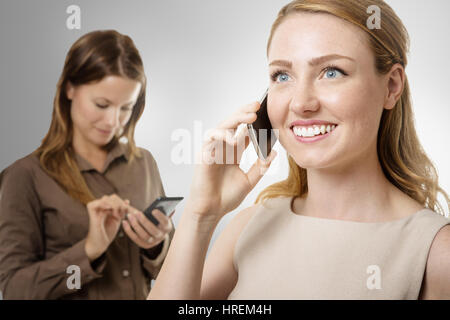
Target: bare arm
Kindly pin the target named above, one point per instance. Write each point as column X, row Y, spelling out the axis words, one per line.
column 219, row 274
column 437, row 272
column 213, row 279
column 181, row 274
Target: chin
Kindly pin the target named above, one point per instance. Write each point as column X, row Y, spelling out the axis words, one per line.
column 311, row 162
column 99, row 142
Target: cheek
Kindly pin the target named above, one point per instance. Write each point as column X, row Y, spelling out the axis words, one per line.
column 83, row 114
column 358, row 107
column 355, row 99
column 277, row 109
column 125, row 118
column 77, row 113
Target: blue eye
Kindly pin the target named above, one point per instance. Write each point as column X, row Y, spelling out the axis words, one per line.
column 279, row 76
column 332, row 71
column 283, row 77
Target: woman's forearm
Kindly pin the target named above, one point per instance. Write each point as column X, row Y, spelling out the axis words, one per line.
column 181, row 274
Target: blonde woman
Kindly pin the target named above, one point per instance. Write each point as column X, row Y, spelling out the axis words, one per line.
column 63, row 228
column 357, row 217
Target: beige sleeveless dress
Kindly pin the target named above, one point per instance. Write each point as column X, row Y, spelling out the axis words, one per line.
column 282, row 255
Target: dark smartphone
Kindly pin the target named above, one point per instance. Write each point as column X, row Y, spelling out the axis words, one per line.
column 260, row 131
column 165, row 204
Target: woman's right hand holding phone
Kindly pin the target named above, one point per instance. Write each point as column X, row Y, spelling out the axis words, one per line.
column 219, row 185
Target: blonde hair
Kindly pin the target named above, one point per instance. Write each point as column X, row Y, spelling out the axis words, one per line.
column 400, row 153
column 92, row 57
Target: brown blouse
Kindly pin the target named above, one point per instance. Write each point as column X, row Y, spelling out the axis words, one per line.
column 43, row 231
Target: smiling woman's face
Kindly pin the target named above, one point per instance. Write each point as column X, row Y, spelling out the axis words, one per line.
column 349, row 94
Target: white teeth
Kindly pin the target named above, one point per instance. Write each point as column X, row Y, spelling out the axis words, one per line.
column 312, row 131
column 323, row 129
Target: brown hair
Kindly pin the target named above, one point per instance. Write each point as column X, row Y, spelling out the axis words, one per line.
column 92, row 57
column 401, row 156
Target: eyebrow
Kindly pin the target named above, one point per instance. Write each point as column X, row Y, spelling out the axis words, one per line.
column 109, row 101
column 312, row 62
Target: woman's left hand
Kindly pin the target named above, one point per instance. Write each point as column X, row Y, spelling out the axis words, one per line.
column 142, row 231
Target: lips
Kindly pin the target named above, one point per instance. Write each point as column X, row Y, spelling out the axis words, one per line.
column 307, row 123
column 104, row 131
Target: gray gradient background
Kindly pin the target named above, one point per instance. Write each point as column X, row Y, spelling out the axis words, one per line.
column 203, row 59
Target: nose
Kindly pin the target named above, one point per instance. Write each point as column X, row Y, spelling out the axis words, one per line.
column 112, row 117
column 304, row 99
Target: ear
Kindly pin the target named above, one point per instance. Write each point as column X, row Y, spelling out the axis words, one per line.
column 70, row 90
column 395, row 84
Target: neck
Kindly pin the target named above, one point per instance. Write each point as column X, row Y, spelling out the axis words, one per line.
column 94, row 154
column 358, row 191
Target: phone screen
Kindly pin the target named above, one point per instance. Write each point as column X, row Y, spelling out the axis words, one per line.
column 261, row 133
column 165, row 204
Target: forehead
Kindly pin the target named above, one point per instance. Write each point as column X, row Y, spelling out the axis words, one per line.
column 115, row 82
column 307, row 35
column 114, row 88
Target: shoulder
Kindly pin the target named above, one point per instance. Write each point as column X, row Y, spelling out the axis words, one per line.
column 440, row 247
column 145, row 152
column 241, row 219
column 19, row 183
column 147, row 156
column 244, row 218
column 141, row 157
column 437, row 272
column 234, row 228
column 21, row 170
